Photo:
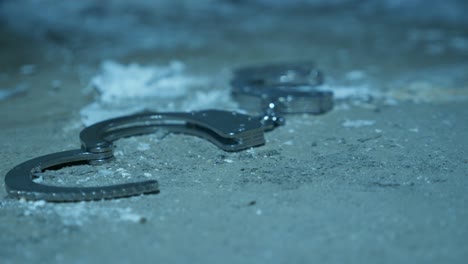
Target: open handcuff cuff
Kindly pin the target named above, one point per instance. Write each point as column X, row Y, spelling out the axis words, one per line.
column 268, row 92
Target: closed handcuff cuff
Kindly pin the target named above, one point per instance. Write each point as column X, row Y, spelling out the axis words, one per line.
column 266, row 92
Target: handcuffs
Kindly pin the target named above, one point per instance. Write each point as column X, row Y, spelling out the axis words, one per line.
column 266, row 92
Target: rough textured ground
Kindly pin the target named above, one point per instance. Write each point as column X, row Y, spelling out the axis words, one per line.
column 381, row 178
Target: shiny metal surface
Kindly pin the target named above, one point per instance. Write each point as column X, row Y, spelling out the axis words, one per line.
column 292, row 87
column 230, row 131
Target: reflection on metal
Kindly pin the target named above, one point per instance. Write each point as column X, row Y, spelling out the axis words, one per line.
column 270, row 91
column 230, row 131
column 290, row 87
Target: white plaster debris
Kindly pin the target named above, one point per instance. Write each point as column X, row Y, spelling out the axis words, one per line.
column 82, row 213
column 83, row 180
column 35, row 205
column 425, row 91
column 105, row 172
column 357, row 123
column 228, row 160
column 39, row 179
column 128, row 215
column 209, row 99
column 361, row 92
column 123, row 172
column 126, row 174
column 251, row 151
column 126, row 89
column 118, row 153
column 416, row 92
column 121, row 82
column 96, row 112
column 143, row 146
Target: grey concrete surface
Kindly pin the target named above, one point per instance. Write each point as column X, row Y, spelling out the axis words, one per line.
column 380, row 179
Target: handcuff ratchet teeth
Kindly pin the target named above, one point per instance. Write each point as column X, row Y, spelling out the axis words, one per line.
column 230, row 131
column 285, row 88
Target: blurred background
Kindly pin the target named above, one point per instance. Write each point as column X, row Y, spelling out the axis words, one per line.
column 381, row 178
column 391, row 41
column 101, row 29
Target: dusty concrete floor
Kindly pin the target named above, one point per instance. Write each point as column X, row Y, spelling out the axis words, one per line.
column 321, row 189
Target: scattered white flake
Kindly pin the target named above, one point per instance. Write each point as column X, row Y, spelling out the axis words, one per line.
column 143, row 146
column 120, row 169
column 37, row 204
column 355, row 92
column 127, row 215
column 120, row 82
column 289, row 143
column 427, row 92
column 127, row 89
column 39, row 179
column 96, row 112
column 83, row 180
column 105, row 172
column 251, row 151
column 378, row 130
column 73, row 214
column 79, row 214
column 146, row 174
column 258, row 212
column 228, row 160
column 418, row 91
column 28, row 69
column 206, row 100
column 415, row 130
column 358, row 123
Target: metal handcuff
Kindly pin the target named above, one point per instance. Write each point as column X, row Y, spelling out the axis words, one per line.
column 266, row 91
